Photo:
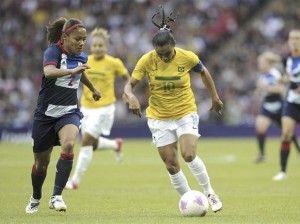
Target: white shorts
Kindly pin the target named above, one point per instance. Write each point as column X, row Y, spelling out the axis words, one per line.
column 98, row 121
column 165, row 132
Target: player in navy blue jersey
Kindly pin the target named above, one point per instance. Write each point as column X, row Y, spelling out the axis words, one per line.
column 291, row 107
column 57, row 116
column 271, row 88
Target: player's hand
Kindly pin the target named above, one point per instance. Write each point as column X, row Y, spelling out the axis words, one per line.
column 96, row 95
column 79, row 69
column 134, row 105
column 217, row 106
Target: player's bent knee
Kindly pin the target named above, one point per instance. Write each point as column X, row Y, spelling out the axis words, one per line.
column 68, row 146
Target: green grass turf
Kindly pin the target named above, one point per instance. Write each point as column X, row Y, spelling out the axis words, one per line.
column 138, row 189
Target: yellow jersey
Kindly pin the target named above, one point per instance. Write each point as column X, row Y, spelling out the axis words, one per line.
column 171, row 96
column 102, row 75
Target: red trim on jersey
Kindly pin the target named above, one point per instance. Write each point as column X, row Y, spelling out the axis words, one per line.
column 285, row 146
column 50, row 63
column 66, row 156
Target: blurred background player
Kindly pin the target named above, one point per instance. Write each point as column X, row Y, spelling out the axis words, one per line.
column 271, row 87
column 172, row 112
column 57, row 116
column 291, row 108
column 98, row 116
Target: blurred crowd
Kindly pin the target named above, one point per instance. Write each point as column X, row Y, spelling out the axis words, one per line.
column 226, row 34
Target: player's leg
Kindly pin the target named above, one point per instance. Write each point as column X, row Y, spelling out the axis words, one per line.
column 166, row 142
column 84, row 159
column 187, row 132
column 262, row 123
column 38, row 176
column 287, row 130
column 43, row 141
column 91, row 130
column 106, row 120
column 296, row 143
column 169, row 156
column 68, row 129
column 114, row 144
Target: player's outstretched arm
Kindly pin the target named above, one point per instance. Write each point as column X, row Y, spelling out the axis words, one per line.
column 217, row 104
column 87, row 83
column 133, row 102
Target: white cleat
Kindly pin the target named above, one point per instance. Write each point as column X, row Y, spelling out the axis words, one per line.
column 215, row 202
column 32, row 206
column 70, row 185
column 57, row 203
column 280, row 176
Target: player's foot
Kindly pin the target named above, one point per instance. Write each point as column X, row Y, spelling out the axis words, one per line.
column 57, row 203
column 260, row 158
column 215, row 202
column 32, row 206
column 70, row 185
column 119, row 153
column 280, row 176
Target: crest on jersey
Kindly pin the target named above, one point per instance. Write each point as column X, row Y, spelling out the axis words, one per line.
column 180, row 69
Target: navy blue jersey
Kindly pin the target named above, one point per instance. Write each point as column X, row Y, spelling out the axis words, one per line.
column 293, row 71
column 58, row 96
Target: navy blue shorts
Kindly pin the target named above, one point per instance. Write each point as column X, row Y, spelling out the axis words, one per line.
column 291, row 110
column 45, row 131
column 276, row 117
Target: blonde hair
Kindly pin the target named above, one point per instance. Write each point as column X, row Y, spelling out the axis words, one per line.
column 270, row 57
column 100, row 32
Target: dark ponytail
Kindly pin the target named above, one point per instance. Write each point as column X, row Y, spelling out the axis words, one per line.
column 164, row 36
column 55, row 29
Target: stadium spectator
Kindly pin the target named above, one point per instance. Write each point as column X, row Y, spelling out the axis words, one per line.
column 291, row 108
column 271, row 88
column 205, row 26
column 172, row 112
column 98, row 116
column 57, row 116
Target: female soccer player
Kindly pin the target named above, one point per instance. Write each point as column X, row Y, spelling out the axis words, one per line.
column 57, row 116
column 291, row 108
column 172, row 112
column 98, row 116
column 271, row 87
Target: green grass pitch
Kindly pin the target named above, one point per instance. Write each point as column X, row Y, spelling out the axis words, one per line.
column 138, row 190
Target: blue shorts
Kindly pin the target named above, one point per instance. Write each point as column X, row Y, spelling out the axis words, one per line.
column 276, row 117
column 45, row 131
column 291, row 110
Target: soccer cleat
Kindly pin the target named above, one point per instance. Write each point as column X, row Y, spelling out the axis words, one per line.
column 70, row 185
column 260, row 158
column 57, row 203
column 32, row 206
column 280, row 176
column 118, row 151
column 215, row 202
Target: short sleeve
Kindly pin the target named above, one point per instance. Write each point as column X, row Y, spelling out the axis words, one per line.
column 120, row 68
column 139, row 70
column 51, row 56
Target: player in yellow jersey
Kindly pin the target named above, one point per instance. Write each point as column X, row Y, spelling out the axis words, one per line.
column 172, row 112
column 98, row 117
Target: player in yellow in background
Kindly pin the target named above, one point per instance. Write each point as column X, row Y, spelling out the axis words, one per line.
column 172, row 112
column 98, row 116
